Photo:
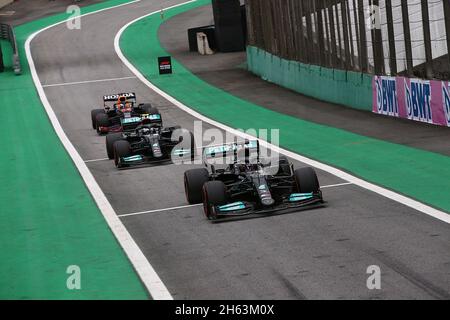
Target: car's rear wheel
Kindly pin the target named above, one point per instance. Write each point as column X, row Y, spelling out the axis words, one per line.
column 110, row 140
column 122, row 149
column 214, row 194
column 101, row 120
column 306, row 180
column 194, row 180
column 94, row 114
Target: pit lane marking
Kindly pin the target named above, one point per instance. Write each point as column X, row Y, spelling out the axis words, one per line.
column 159, row 210
column 336, row 185
column 87, row 81
column 96, row 160
column 199, row 205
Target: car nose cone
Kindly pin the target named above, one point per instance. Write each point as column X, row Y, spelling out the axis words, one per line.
column 267, row 202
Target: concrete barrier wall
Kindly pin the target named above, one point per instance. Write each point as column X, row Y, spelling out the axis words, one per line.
column 346, row 88
column 5, row 2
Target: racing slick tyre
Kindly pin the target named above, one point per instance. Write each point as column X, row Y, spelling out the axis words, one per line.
column 110, row 140
column 306, row 180
column 101, row 120
column 149, row 109
column 94, row 114
column 122, row 149
column 214, row 194
column 194, row 180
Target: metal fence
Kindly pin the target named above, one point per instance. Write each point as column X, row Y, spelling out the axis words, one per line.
column 7, row 33
column 384, row 37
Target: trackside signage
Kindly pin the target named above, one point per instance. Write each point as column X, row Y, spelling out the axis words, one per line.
column 446, row 101
column 414, row 99
column 165, row 65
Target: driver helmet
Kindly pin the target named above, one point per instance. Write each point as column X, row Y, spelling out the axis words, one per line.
column 124, row 105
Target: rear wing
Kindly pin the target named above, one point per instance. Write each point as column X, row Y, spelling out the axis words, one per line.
column 247, row 150
column 115, row 97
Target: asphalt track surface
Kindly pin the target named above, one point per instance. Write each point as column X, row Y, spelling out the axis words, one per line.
column 316, row 254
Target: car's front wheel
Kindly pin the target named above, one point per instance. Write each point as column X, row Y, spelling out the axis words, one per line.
column 101, row 121
column 306, row 180
column 94, row 114
column 214, row 194
column 122, row 149
column 194, row 180
column 110, row 140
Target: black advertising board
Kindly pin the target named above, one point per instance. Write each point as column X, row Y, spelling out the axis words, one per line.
column 165, row 65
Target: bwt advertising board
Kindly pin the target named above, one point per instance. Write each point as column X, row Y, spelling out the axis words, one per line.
column 420, row 100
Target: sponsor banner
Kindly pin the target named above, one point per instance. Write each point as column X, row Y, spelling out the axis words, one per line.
column 165, row 65
column 415, row 99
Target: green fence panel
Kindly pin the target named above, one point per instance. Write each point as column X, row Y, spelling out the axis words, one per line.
column 342, row 87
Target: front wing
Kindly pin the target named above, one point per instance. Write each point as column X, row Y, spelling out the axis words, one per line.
column 243, row 208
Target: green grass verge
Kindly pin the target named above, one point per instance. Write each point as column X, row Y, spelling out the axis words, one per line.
column 48, row 219
column 422, row 175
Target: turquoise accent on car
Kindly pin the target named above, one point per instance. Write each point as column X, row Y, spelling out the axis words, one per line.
column 232, row 207
column 300, row 196
column 155, row 117
column 133, row 158
column 131, row 120
column 181, row 152
column 212, row 151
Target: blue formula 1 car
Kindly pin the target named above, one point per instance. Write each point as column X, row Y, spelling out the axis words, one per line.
column 247, row 185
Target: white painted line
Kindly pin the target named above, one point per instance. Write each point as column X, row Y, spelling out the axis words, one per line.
column 96, row 160
column 336, row 185
column 7, row 13
column 85, row 82
column 414, row 204
column 144, row 269
column 198, row 205
column 158, row 210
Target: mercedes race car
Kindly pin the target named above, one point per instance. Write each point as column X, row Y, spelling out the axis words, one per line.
column 247, row 185
column 149, row 143
column 117, row 108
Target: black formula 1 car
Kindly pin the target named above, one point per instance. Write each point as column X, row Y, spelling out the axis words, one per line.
column 117, row 109
column 150, row 143
column 248, row 186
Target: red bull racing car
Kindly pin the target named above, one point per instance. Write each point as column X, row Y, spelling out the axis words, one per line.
column 116, row 109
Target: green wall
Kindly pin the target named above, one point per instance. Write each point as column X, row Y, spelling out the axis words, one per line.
column 347, row 88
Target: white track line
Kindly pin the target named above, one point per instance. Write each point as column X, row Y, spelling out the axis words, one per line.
column 336, row 185
column 158, row 210
column 96, row 160
column 198, row 205
column 85, row 82
column 414, row 204
column 148, row 276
